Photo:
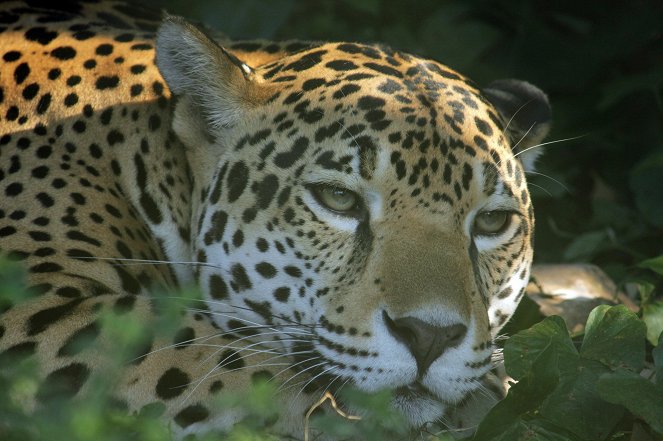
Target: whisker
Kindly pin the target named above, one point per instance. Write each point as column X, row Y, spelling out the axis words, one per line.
column 313, row 379
column 229, row 359
column 336, row 377
column 532, row 172
column 147, row 261
column 298, row 363
column 256, row 326
column 501, row 337
column 324, row 362
column 548, row 143
column 191, row 342
column 345, row 383
column 245, row 308
column 184, row 343
column 209, row 374
column 513, row 116
column 513, row 147
column 282, row 329
column 250, row 348
column 482, row 390
column 294, row 337
column 229, row 315
column 542, row 189
column 216, row 373
column 290, row 355
column 264, row 363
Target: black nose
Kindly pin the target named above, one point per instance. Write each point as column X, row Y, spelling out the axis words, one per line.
column 426, row 342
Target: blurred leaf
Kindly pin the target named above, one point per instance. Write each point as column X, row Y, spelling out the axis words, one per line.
column 576, row 24
column 646, row 185
column 152, row 410
column 12, row 284
column 379, row 419
column 616, row 90
column 614, row 214
column 652, row 315
column 645, row 290
column 654, row 264
column 248, row 19
column 585, row 245
column 635, row 393
column 368, row 6
column 657, row 354
column 459, row 40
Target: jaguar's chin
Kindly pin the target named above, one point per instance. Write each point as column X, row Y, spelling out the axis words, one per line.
column 418, row 404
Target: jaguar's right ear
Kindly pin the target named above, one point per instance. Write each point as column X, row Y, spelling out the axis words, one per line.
column 212, row 82
column 526, row 112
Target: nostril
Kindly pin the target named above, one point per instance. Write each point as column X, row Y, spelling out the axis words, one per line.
column 426, row 342
column 400, row 331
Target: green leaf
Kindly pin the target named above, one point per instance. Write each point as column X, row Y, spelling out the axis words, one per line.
column 522, row 350
column 638, row 395
column 652, row 315
column 655, row 264
column 576, row 406
column 616, row 337
column 506, row 418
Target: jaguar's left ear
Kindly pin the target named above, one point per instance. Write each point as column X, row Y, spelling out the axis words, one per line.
column 212, row 81
column 526, row 110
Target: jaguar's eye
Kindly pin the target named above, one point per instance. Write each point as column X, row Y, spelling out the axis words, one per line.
column 491, row 223
column 340, row 200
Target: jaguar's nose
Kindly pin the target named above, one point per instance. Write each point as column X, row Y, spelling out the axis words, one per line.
column 426, row 342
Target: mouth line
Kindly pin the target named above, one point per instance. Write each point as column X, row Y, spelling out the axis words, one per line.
column 415, row 390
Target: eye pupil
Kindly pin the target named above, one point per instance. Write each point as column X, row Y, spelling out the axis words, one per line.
column 336, row 199
column 491, row 222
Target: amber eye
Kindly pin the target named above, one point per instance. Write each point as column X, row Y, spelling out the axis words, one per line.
column 338, row 199
column 490, row 223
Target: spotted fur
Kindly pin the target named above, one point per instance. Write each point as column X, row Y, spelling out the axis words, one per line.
column 213, row 155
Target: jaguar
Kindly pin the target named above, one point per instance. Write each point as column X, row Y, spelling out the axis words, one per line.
column 351, row 214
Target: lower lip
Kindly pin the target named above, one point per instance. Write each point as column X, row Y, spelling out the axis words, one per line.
column 412, row 390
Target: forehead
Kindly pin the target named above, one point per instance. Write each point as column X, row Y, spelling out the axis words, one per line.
column 413, row 104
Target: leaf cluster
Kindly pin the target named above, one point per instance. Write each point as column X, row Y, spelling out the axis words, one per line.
column 591, row 392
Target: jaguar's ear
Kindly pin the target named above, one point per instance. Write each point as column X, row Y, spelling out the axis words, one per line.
column 210, row 80
column 526, row 111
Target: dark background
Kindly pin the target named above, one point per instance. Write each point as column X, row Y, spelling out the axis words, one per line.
column 598, row 198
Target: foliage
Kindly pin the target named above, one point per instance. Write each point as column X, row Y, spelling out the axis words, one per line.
column 566, row 390
column 95, row 417
column 565, row 393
